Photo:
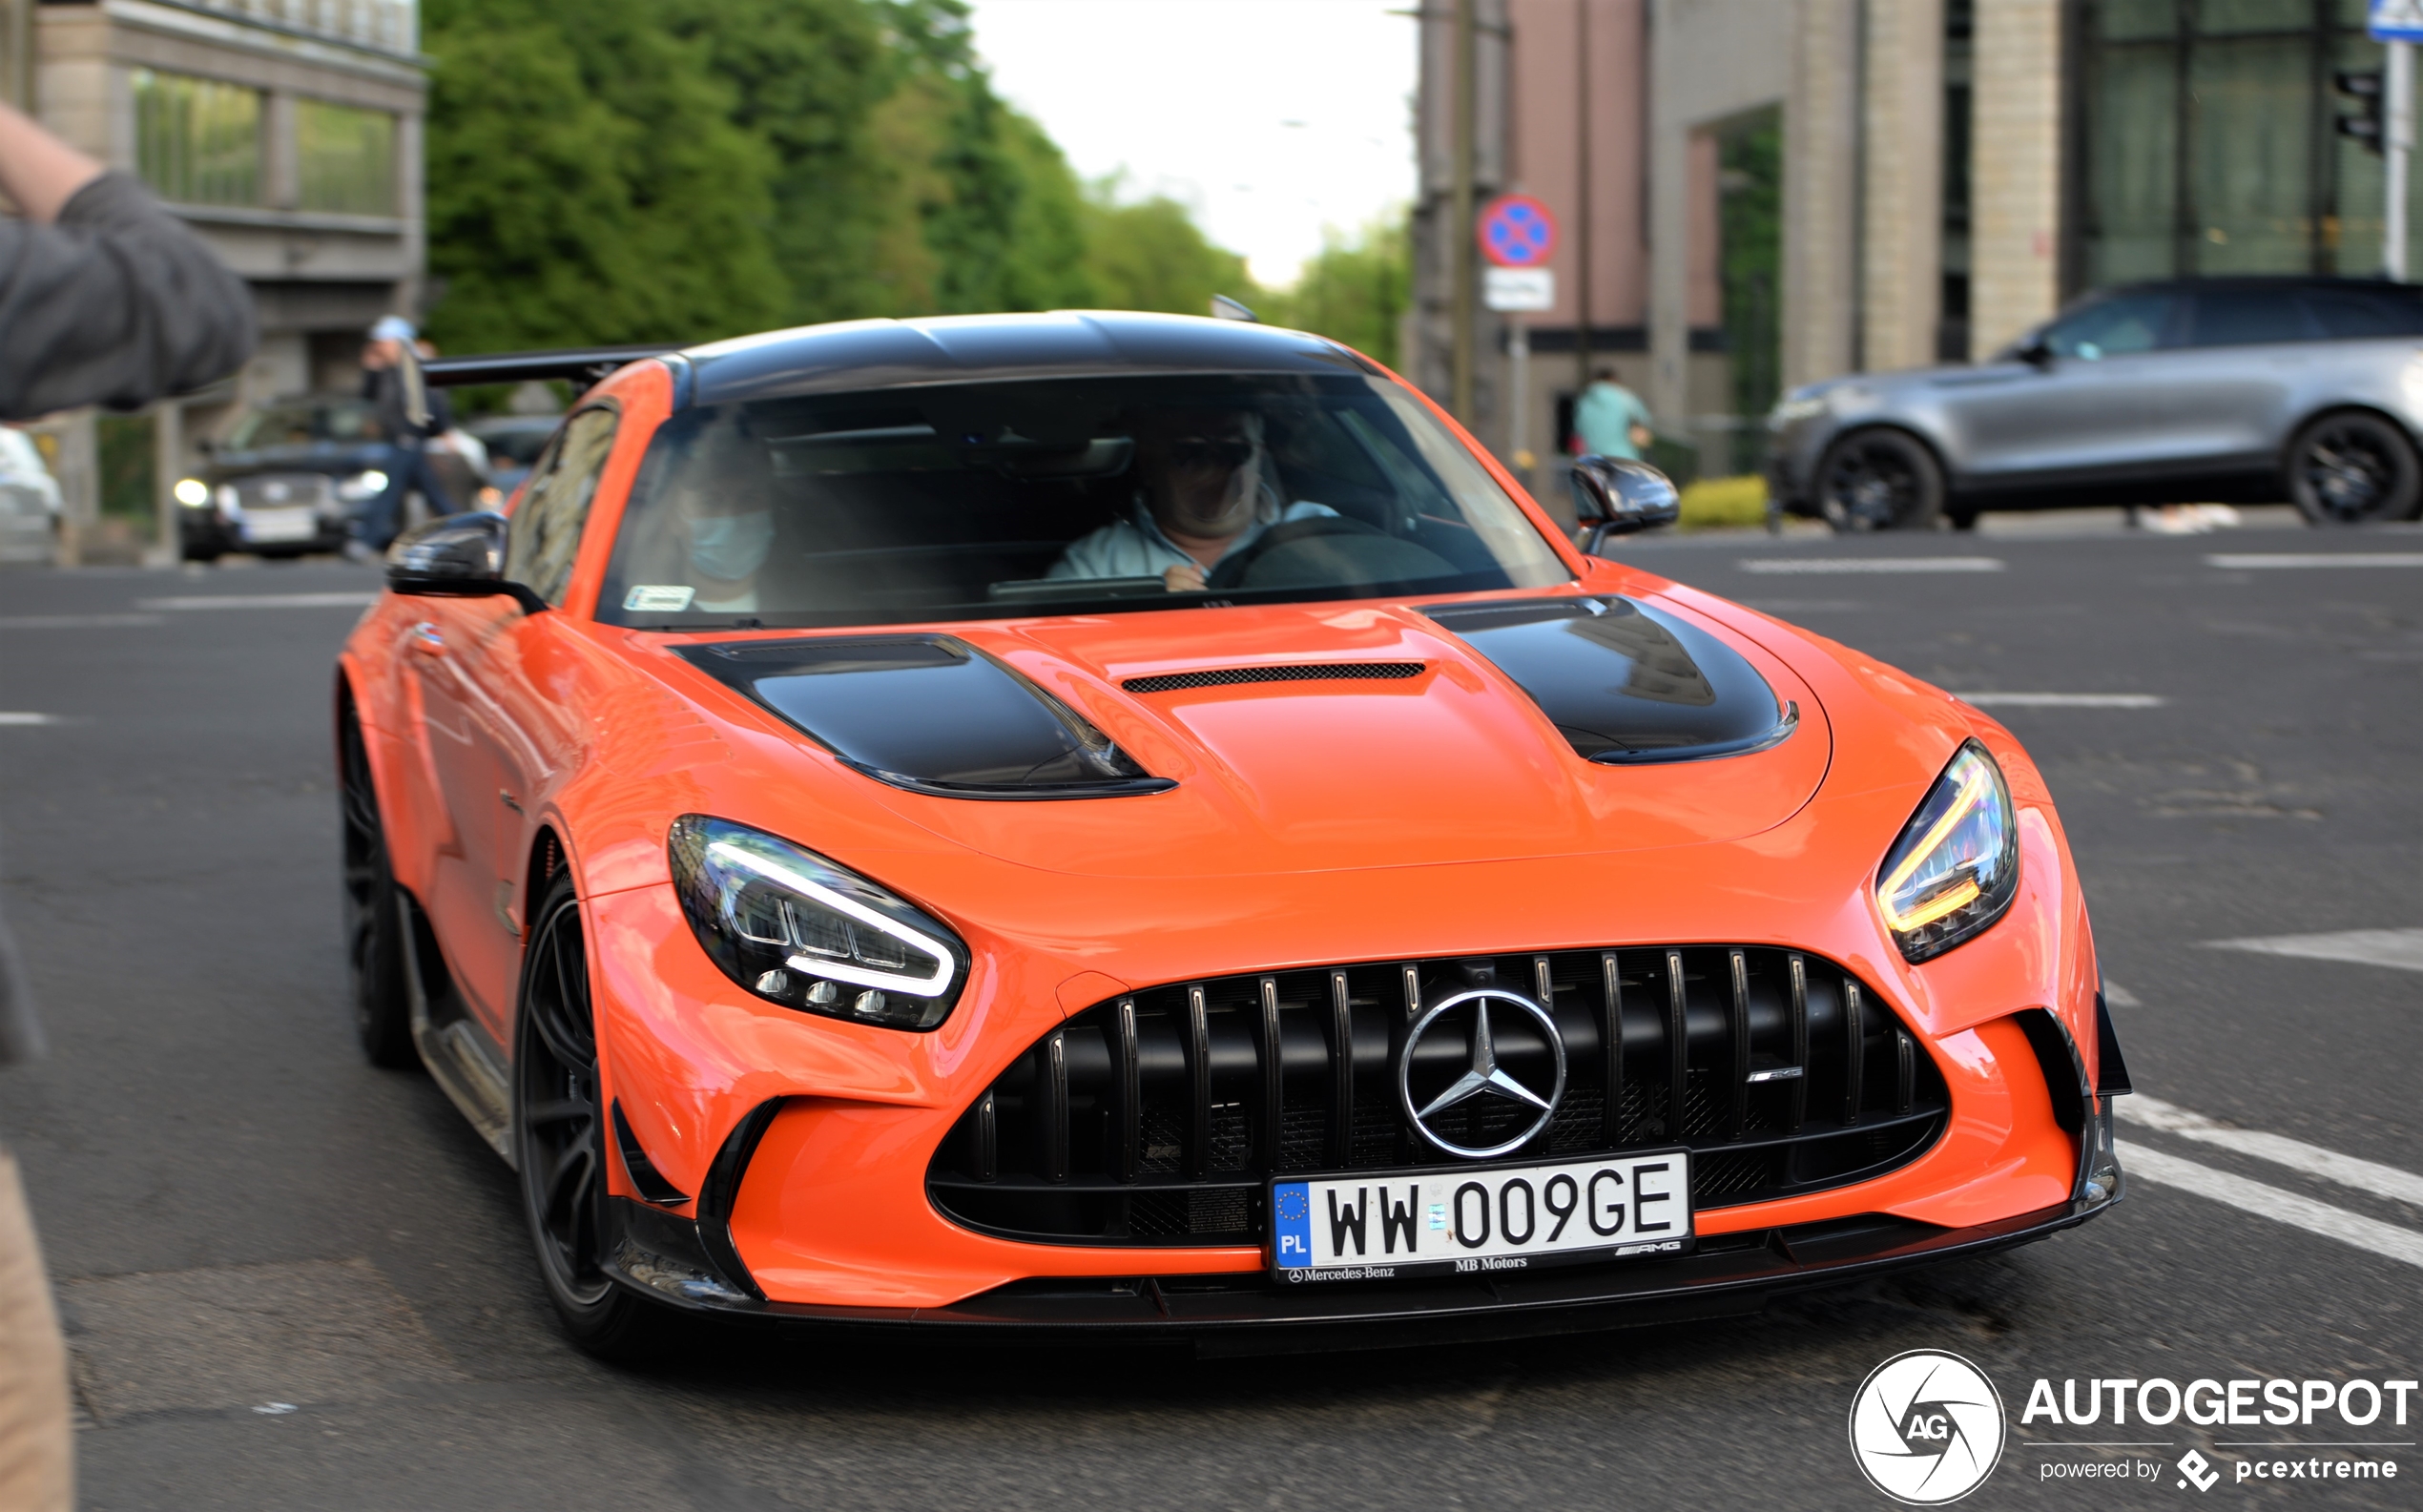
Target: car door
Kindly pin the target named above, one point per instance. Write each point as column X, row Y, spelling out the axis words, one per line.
column 2249, row 346
column 498, row 731
column 2091, row 400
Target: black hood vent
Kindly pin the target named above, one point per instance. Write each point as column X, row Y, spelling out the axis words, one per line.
column 1623, row 683
column 929, row 714
column 1305, row 671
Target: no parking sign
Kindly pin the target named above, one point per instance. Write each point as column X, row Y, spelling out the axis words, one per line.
column 1516, row 230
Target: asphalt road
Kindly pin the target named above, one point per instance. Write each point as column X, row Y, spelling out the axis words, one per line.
column 296, row 1282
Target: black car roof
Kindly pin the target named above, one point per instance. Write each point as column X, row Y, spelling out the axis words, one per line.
column 975, row 348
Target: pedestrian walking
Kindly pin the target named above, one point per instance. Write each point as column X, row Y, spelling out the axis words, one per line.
column 1609, row 420
column 408, row 434
column 105, row 297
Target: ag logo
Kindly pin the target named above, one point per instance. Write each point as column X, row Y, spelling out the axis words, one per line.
column 1926, row 1427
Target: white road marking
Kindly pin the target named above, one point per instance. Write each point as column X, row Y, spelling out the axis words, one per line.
column 74, row 621
column 8, row 718
column 2402, row 948
column 2364, row 1176
column 2063, row 700
column 2258, row 561
column 1830, row 566
column 2274, row 1203
column 263, row 601
column 2121, row 997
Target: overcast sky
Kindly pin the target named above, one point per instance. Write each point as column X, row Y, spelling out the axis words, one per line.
column 1270, row 118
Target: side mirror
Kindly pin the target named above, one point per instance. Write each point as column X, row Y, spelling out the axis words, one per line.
column 2033, row 352
column 1617, row 496
column 457, row 556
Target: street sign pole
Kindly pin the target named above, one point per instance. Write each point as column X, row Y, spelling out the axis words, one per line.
column 2397, row 145
column 1460, row 263
column 1518, row 237
column 2398, row 25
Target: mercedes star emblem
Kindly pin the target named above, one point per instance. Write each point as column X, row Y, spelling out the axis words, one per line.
column 1484, row 1077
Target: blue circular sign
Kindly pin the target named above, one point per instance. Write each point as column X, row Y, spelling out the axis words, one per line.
column 1518, row 232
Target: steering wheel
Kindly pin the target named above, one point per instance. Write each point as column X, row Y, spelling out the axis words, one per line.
column 1233, row 568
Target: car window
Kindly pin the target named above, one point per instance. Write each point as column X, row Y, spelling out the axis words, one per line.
column 2357, row 314
column 547, row 524
column 988, row 501
column 2113, row 326
column 2249, row 318
column 518, row 445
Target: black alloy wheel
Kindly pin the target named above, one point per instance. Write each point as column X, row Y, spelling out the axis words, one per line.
column 374, row 926
column 2353, row 468
column 559, row 1139
column 1879, row 480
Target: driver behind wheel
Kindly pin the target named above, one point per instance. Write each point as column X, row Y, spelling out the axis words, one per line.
column 1206, row 488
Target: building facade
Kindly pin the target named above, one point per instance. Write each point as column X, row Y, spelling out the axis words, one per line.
column 287, row 132
column 1779, row 190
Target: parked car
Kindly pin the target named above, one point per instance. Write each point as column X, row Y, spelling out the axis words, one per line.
column 513, row 443
column 288, row 478
column 2237, row 390
column 861, row 873
column 29, row 500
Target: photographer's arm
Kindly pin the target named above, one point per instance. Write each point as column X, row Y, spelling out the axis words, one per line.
column 39, row 173
column 112, row 301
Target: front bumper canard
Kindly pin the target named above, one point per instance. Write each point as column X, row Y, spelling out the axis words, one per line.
column 1248, row 1313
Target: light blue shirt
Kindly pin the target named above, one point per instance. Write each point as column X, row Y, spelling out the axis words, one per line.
column 1135, row 547
column 1605, row 419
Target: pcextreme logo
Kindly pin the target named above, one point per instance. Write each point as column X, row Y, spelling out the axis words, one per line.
column 1927, row 1427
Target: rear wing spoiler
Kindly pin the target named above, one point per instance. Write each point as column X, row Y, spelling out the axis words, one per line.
column 581, row 365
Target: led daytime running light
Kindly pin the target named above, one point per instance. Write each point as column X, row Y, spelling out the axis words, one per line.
column 933, row 984
column 1955, row 868
column 1975, row 790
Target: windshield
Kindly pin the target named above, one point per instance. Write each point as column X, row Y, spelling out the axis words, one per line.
column 343, row 421
column 982, row 500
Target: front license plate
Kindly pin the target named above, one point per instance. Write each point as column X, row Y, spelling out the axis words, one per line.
column 279, row 525
column 1385, row 1226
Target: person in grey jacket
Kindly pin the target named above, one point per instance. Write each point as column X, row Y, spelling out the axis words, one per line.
column 104, row 299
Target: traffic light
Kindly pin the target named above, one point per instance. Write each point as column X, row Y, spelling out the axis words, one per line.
column 2363, row 87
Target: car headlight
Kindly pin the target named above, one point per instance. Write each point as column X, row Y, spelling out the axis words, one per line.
column 1793, row 411
column 192, row 492
column 1956, row 866
column 368, row 484
column 796, row 929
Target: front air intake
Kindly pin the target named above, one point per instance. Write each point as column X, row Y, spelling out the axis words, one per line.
column 1158, row 1118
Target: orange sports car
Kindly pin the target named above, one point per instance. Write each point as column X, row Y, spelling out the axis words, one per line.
column 1111, row 826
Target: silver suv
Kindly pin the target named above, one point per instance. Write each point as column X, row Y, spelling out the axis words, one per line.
column 2240, row 390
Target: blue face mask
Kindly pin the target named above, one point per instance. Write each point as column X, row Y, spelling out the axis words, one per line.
column 730, row 546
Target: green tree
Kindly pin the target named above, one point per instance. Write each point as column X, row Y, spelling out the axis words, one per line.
column 1356, row 291
column 1149, row 255
column 588, row 182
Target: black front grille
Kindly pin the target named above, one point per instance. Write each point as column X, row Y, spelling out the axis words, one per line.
column 1155, row 1118
column 1309, row 671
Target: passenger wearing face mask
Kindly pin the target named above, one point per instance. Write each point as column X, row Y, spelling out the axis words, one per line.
column 727, row 524
column 1205, row 489
column 726, row 551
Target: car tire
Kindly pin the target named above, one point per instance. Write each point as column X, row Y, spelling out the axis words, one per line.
column 1879, row 480
column 559, row 1142
column 2353, row 468
column 374, row 923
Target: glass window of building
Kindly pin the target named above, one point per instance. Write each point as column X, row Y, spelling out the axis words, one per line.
column 344, row 159
column 198, row 141
column 2207, row 144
